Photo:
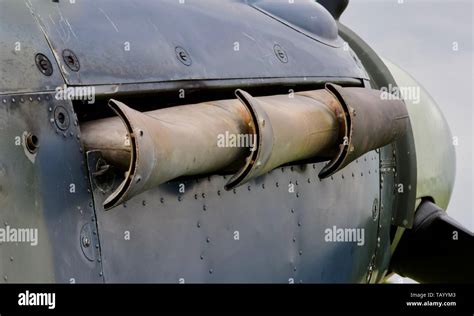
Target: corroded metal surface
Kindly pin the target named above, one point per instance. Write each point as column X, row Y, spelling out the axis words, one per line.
column 162, row 145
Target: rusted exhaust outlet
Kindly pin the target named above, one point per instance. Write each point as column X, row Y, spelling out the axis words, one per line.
column 372, row 120
column 248, row 135
column 158, row 146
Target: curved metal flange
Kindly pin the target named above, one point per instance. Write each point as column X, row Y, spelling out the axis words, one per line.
column 137, row 139
column 373, row 120
column 262, row 150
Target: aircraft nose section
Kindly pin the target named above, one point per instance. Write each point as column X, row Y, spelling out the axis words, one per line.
column 434, row 143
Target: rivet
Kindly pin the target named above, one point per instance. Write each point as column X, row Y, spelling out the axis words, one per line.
column 13, row 100
column 210, row 271
column 292, row 210
column 198, row 224
column 4, row 101
column 300, row 252
column 11, row 258
column 299, row 224
column 309, row 180
column 162, row 200
column 144, row 203
column 97, row 246
column 202, row 257
column 204, row 208
column 203, row 195
column 219, row 192
column 22, row 100
column 179, row 198
column 248, row 188
column 208, row 240
column 277, row 185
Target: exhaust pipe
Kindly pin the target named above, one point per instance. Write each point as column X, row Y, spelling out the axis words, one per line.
column 248, row 135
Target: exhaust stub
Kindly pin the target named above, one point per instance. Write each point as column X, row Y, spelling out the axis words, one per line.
column 259, row 156
column 336, row 124
column 162, row 145
column 289, row 129
column 372, row 121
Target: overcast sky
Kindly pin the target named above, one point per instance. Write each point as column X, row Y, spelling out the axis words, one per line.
column 418, row 36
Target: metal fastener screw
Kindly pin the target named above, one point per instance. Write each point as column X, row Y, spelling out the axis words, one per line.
column 86, row 242
column 70, row 59
column 183, row 56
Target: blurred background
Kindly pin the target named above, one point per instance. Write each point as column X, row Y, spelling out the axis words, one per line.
column 420, row 36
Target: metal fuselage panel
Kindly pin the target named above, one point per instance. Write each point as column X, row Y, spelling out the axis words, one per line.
column 141, row 41
column 21, row 39
column 47, row 191
column 273, row 229
column 264, row 232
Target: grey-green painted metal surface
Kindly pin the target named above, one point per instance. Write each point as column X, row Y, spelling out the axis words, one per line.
column 434, row 143
column 165, row 235
column 47, row 191
column 21, row 39
column 139, row 41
